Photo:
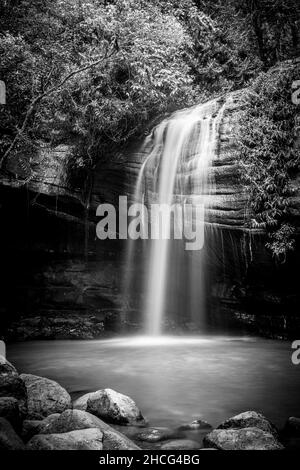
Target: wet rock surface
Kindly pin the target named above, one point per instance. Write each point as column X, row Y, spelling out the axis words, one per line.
column 114, row 407
column 69, row 326
column 249, row 419
column 156, row 434
column 249, row 438
column 196, row 425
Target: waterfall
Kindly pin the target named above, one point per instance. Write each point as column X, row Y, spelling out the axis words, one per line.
column 177, row 157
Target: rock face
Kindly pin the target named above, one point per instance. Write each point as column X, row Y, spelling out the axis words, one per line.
column 114, row 407
column 76, row 420
column 249, row 419
column 250, row 438
column 86, row 439
column 9, row 440
column 248, row 289
column 45, row 396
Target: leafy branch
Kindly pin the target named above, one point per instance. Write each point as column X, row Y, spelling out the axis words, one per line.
column 45, row 93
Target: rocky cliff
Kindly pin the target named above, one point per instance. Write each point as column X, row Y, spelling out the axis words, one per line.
column 60, row 281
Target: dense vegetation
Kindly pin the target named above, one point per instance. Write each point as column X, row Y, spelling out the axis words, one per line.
column 269, row 156
column 93, row 73
column 142, row 69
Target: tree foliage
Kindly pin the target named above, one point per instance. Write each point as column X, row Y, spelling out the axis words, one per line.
column 269, row 155
column 42, row 42
column 128, row 61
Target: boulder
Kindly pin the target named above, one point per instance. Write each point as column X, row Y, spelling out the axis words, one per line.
column 84, row 439
column 180, row 444
column 114, row 407
column 114, row 440
column 9, row 409
column 9, row 440
column 81, row 402
column 250, row 438
column 292, row 426
column 157, row 434
column 249, row 419
column 6, row 368
column 196, row 425
column 69, row 420
column 45, row 396
column 31, row 427
column 11, row 385
column 75, row 420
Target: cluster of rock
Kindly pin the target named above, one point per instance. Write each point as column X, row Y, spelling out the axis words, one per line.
column 36, row 413
column 63, row 326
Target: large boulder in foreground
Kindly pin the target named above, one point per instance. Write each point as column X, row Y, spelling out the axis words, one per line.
column 249, row 438
column 75, row 420
column 249, row 419
column 114, row 440
column 44, row 396
column 11, row 385
column 31, row 427
column 69, row 420
column 85, row 439
column 9, row 409
column 113, row 407
column 9, row 440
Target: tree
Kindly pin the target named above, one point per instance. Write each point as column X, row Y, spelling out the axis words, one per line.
column 103, row 106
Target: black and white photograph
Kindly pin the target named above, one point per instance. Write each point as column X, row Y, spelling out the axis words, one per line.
column 149, row 230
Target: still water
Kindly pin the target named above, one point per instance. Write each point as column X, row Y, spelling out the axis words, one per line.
column 174, row 380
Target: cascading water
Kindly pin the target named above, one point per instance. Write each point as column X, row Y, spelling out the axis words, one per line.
column 178, row 156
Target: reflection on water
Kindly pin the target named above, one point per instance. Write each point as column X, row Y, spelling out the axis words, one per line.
column 174, row 380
